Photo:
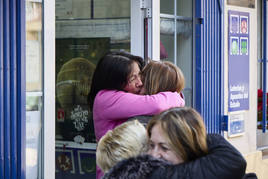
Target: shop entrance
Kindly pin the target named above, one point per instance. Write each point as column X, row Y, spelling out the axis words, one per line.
column 85, row 31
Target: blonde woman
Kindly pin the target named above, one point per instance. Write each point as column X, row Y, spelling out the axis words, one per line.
column 126, row 140
column 180, row 148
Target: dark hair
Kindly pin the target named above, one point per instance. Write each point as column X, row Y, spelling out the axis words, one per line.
column 112, row 73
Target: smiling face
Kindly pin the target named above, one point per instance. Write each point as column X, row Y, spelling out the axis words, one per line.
column 159, row 148
column 134, row 81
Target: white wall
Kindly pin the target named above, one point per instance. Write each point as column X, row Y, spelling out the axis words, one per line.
column 247, row 142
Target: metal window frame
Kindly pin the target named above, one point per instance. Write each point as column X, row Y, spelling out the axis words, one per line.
column 48, row 132
column 21, row 88
column 12, row 91
column 137, row 15
column 152, row 34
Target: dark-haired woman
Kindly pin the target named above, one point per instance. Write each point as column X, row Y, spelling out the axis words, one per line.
column 114, row 93
column 113, row 97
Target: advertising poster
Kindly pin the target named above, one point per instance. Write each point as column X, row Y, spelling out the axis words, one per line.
column 76, row 60
column 75, row 163
column 238, row 53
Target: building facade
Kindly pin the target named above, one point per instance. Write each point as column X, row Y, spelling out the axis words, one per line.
column 49, row 50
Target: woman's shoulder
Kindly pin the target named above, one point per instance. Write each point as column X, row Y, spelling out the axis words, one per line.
column 105, row 92
column 113, row 93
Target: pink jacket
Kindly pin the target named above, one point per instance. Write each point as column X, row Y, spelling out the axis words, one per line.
column 111, row 108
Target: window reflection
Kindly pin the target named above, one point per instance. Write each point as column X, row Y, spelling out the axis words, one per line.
column 34, row 88
column 167, row 6
column 176, row 36
column 33, row 46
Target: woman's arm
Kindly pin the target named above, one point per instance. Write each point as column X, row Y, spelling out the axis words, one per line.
column 121, row 105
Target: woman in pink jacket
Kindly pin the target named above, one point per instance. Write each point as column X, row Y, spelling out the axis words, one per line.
column 114, row 95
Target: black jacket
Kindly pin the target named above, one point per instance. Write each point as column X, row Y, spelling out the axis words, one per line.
column 222, row 162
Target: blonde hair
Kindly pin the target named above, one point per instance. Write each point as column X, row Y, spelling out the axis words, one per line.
column 126, row 140
column 159, row 76
column 184, row 130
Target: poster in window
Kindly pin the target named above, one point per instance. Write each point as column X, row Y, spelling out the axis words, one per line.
column 65, row 161
column 86, row 161
column 76, row 60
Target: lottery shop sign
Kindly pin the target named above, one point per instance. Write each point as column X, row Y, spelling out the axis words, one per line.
column 238, row 60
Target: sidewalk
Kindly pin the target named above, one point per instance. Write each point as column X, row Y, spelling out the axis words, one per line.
column 258, row 162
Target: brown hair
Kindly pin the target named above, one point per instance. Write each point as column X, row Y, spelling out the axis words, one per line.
column 159, row 76
column 184, row 130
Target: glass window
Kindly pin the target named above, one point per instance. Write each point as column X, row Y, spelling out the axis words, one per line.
column 167, row 39
column 185, row 56
column 242, row 3
column 167, row 6
column 184, row 8
column 176, row 41
column 34, row 88
column 111, row 9
column 85, row 31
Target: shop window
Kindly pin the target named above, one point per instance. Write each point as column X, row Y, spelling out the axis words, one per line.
column 85, row 31
column 176, row 36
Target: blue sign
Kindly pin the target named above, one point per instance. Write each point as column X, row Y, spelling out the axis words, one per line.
column 238, row 66
column 236, row 125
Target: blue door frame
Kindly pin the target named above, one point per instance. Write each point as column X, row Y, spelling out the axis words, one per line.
column 264, row 67
column 209, row 62
column 12, row 89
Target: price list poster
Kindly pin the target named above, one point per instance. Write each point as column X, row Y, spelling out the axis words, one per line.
column 238, row 65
